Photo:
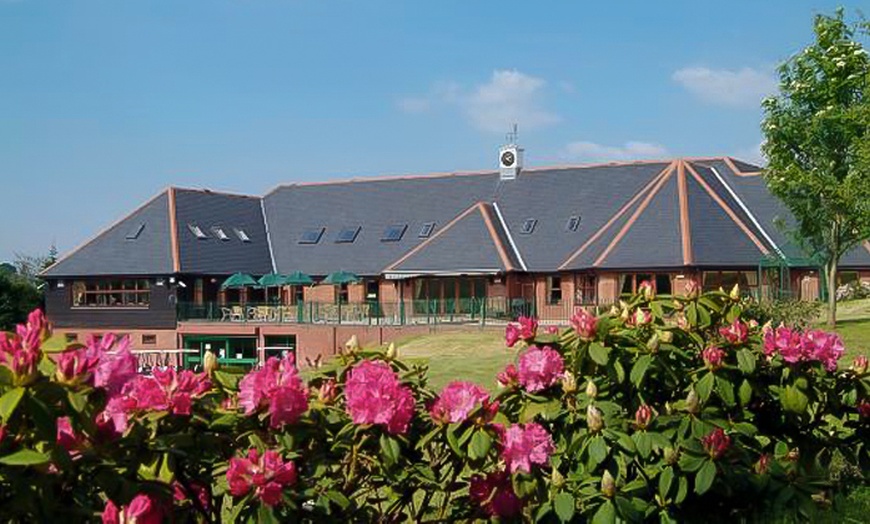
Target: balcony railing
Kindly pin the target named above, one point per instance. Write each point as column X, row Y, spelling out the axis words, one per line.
column 409, row 312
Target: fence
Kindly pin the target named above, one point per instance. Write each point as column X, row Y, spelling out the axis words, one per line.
column 409, row 312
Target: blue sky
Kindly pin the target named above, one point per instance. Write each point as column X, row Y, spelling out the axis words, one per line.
column 105, row 103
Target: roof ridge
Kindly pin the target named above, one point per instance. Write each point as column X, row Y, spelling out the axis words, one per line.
column 215, row 192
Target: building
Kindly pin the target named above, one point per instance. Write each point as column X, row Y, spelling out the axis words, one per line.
column 466, row 248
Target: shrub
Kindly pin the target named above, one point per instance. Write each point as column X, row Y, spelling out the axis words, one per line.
column 674, row 409
column 853, row 291
column 800, row 313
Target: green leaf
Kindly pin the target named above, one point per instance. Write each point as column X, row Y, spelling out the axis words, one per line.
column 9, row 401
column 705, row 476
column 25, row 457
column 620, row 371
column 563, row 503
column 338, row 498
column 227, row 380
column 481, row 442
column 666, row 479
column 598, row 449
column 725, row 390
column 606, row 514
column 265, row 515
column 599, row 353
column 638, row 370
column 643, row 442
column 690, row 462
column 794, row 400
column 548, row 410
column 77, row 400
column 746, row 361
column 745, row 392
column 705, row 386
column 453, row 441
column 682, row 490
column 390, row 449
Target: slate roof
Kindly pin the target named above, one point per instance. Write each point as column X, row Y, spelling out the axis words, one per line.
column 713, row 212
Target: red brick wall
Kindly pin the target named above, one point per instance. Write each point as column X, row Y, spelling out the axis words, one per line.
column 320, row 293
column 166, row 338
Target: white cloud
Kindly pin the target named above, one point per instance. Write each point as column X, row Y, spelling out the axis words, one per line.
column 752, row 154
column 508, row 97
column 582, row 151
column 746, row 87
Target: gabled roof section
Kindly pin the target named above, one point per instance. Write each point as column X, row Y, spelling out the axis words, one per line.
column 470, row 243
column 110, row 252
column 240, row 217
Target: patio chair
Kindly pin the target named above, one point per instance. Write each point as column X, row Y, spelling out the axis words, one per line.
column 237, row 314
column 226, row 314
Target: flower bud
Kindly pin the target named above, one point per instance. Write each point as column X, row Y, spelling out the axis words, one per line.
column 752, row 323
column 693, row 402
column 713, row 357
column 392, row 352
column 692, row 289
column 678, row 306
column 641, row 317
column 608, row 485
column 763, row 464
column 735, row 293
column 585, row 324
column 614, row 310
column 716, row 444
column 672, row 456
column 859, row 365
column 647, row 290
column 591, row 389
column 556, row 479
column 327, row 392
column 352, row 344
column 509, row 377
column 569, row 382
column 210, row 363
column 643, row 416
column 793, row 455
column 653, row 343
column 666, row 336
column 594, row 419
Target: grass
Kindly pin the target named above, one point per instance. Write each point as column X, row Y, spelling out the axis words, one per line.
column 853, row 324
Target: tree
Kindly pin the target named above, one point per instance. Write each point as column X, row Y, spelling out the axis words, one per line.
column 817, row 132
column 18, row 297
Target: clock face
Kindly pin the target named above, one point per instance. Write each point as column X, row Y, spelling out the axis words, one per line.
column 507, row 158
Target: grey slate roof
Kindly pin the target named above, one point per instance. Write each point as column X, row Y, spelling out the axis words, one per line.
column 214, row 256
column 111, row 253
column 632, row 217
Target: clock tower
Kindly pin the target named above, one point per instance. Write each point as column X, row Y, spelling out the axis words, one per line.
column 510, row 157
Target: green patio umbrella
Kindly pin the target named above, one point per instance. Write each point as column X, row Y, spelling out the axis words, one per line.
column 238, row 281
column 298, row 278
column 341, row 277
column 272, row 280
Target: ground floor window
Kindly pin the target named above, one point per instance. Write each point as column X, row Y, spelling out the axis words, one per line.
column 713, row 280
column 231, row 351
column 847, row 277
column 629, row 283
column 134, row 292
column 449, row 295
column 585, row 289
column 149, row 340
column 554, row 290
column 279, row 345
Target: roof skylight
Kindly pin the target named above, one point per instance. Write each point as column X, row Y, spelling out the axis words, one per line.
column 347, row 235
column 427, row 229
column 311, row 235
column 134, row 233
column 573, row 223
column 242, row 235
column 529, row 226
column 197, row 231
column 394, row 233
column 220, row 233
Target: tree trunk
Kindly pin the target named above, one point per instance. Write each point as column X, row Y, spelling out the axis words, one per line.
column 831, row 277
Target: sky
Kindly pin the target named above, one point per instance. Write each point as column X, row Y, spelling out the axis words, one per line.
column 104, row 104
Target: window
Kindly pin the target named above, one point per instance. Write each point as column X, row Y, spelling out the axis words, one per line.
column 311, row 236
column 663, row 284
column 372, row 290
column 197, row 231
column 342, row 294
column 149, row 340
column 112, row 293
column 713, row 280
column 426, row 230
column 554, row 290
column 71, row 337
column 134, row 233
column 529, row 226
column 585, row 289
column 394, row 233
column 573, row 223
column 220, row 233
column 243, row 236
column 347, row 235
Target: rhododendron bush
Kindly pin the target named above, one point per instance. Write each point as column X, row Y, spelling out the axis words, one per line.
column 665, row 408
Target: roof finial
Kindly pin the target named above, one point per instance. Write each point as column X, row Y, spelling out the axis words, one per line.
column 512, row 135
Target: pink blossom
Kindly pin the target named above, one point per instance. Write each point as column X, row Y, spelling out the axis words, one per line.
column 509, row 377
column 714, row 357
column 736, row 333
column 2, row 433
column 526, row 329
column 643, row 416
column 860, row 364
column 141, row 510
column 67, row 438
column 34, row 331
column 863, row 408
column 374, row 395
column 327, row 392
column 200, row 492
column 117, row 364
column 278, row 387
column 457, row 401
column 540, row 368
column 716, row 443
column 495, row 494
column 823, row 347
column 640, row 318
column 785, row 341
column 511, row 335
column 266, row 475
column 585, row 324
column 77, row 366
column 21, row 352
column 553, row 330
column 525, row 444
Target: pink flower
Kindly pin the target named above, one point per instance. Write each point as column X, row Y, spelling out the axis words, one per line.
column 495, row 494
column 823, row 347
column 166, row 390
column 66, row 436
column 200, row 492
column 2, row 433
column 860, row 365
column 785, row 341
column 647, row 289
column 553, row 330
column 716, row 443
column 141, row 510
column 77, row 366
column 736, row 333
column 21, row 352
column 640, row 318
column 863, row 408
column 509, row 377
column 643, row 416
column 526, row 330
column 524, row 445
column 275, row 386
column 327, row 392
column 117, row 364
column 33, row 332
column 585, row 324
column 374, row 395
column 457, row 401
column 266, row 475
column 540, row 368
column 511, row 335
column 714, row 357
column 763, row 464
